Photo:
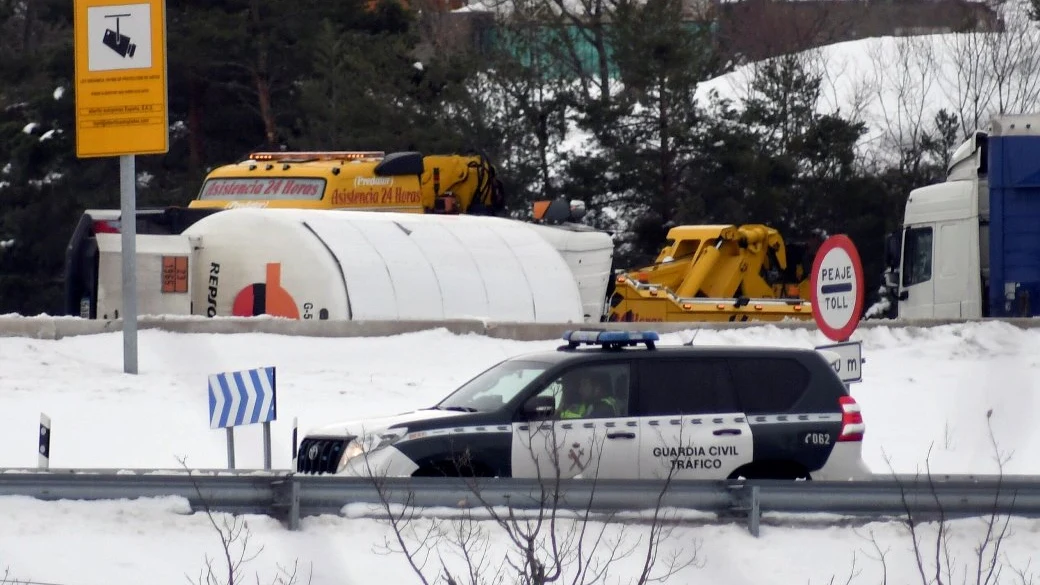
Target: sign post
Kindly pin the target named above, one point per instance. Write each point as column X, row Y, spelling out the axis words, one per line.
column 121, row 110
column 837, row 301
column 243, row 398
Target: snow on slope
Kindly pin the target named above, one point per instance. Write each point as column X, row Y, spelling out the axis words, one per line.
column 896, row 85
column 922, row 388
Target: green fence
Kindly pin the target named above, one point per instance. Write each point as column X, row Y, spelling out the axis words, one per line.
column 563, row 50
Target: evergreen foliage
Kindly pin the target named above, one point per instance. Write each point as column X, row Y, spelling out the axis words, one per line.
column 312, row 74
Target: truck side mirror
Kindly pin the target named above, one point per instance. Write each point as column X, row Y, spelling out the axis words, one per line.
column 892, row 244
column 539, row 407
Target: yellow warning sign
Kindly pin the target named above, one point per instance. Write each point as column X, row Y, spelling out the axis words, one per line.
column 121, row 95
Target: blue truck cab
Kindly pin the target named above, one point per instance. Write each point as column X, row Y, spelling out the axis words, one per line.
column 970, row 246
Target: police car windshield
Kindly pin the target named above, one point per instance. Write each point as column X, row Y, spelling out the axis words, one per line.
column 495, row 387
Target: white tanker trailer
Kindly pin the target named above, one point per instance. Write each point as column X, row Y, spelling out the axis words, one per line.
column 356, row 265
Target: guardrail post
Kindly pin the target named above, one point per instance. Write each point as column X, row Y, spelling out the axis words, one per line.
column 286, row 505
column 294, row 504
column 754, row 513
column 744, row 498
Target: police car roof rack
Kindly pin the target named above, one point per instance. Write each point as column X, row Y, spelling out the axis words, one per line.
column 608, row 339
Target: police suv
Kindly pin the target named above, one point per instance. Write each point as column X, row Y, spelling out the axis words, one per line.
column 685, row 412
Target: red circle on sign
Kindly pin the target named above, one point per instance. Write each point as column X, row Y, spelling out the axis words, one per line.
column 843, row 242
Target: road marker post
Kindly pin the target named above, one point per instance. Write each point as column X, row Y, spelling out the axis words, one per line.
column 243, row 398
column 44, row 449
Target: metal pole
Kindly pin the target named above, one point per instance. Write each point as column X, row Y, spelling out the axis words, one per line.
column 128, row 229
column 230, row 447
column 267, row 445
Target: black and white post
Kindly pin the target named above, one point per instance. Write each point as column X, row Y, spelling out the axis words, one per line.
column 44, row 461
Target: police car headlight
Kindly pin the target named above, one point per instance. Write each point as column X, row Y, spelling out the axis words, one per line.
column 368, row 443
column 354, row 448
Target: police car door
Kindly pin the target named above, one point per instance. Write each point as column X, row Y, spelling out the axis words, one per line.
column 603, row 443
column 689, row 422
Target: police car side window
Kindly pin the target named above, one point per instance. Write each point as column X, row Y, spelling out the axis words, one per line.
column 594, row 391
column 769, row 385
column 696, row 386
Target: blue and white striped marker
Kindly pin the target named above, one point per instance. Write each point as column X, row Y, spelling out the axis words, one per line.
column 242, row 398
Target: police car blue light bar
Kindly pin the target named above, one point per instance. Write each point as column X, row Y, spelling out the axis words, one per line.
column 610, row 338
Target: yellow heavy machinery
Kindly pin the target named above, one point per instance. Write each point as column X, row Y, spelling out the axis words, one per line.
column 356, row 180
column 717, row 273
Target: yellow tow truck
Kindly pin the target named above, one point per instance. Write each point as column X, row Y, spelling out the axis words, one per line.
column 717, row 273
column 406, row 182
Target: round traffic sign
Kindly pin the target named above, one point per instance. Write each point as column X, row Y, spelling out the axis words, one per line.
column 837, row 288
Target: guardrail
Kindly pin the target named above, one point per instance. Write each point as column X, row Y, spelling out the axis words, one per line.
column 59, row 327
column 289, row 497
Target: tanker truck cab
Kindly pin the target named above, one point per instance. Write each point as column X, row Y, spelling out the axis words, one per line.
column 937, row 255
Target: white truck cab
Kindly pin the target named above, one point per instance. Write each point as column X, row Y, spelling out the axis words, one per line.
column 969, row 248
column 944, row 226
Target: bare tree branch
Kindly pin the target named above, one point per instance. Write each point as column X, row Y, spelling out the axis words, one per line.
column 234, row 534
column 549, row 538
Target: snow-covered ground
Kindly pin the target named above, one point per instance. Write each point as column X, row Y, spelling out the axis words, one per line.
column 923, row 388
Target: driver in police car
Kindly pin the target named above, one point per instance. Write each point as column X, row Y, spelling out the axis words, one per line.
column 594, row 399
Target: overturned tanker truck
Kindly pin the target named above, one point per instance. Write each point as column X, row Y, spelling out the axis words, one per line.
column 356, row 265
column 360, row 235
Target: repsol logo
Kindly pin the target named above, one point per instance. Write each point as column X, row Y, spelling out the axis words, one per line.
column 211, row 295
column 373, row 181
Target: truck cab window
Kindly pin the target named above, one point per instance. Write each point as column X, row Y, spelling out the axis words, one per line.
column 917, row 256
